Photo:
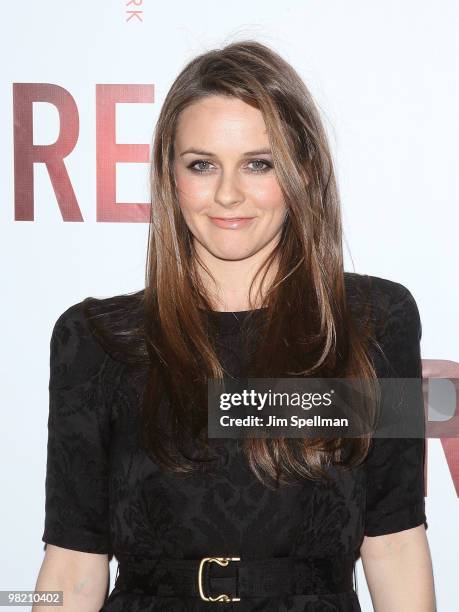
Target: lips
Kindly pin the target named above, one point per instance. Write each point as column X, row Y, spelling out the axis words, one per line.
column 231, row 222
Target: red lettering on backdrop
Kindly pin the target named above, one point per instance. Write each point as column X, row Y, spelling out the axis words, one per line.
column 26, row 153
column 135, row 15
column 109, row 152
column 446, row 430
column 451, row 450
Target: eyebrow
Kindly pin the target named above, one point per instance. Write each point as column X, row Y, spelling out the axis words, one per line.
column 200, row 152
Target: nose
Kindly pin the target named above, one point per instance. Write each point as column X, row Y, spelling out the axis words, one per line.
column 228, row 192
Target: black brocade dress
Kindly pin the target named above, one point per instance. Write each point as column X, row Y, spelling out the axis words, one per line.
column 105, row 495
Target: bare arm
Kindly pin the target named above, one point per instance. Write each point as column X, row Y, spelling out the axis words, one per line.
column 398, row 570
column 83, row 577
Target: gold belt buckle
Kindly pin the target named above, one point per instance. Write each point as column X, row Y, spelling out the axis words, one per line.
column 221, row 561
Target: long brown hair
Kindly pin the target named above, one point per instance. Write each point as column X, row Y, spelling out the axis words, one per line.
column 308, row 329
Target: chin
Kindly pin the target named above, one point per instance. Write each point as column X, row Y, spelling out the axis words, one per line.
column 231, row 254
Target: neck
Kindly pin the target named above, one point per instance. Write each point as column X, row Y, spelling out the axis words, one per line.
column 229, row 288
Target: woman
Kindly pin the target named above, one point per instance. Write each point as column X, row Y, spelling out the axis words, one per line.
column 244, row 277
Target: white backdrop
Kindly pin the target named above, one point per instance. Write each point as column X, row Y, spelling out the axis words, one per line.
column 385, row 76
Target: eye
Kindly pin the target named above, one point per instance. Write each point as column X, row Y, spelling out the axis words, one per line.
column 267, row 165
column 196, row 163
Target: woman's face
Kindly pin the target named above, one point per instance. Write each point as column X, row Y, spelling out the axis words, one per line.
column 227, row 187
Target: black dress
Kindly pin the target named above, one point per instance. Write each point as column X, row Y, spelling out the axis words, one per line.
column 105, row 495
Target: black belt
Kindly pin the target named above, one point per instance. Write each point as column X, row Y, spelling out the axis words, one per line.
column 228, row 579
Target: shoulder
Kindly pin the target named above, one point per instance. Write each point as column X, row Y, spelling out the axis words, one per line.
column 383, row 291
column 74, row 353
column 392, row 303
column 84, row 335
column 396, row 327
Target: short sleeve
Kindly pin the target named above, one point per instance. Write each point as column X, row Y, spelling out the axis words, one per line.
column 395, row 466
column 76, row 486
